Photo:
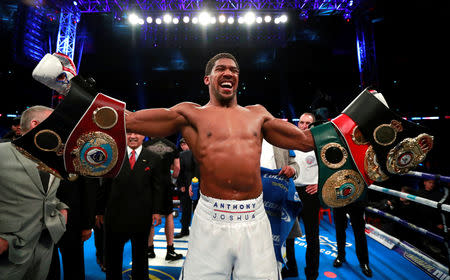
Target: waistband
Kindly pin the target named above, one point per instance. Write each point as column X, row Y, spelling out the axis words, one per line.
column 231, row 211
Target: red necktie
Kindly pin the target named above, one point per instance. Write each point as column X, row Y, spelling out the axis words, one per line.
column 132, row 158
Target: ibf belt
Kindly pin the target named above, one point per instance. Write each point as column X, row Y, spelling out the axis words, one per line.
column 96, row 146
column 340, row 183
column 398, row 145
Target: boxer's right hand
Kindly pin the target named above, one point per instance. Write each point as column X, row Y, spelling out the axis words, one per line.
column 55, row 71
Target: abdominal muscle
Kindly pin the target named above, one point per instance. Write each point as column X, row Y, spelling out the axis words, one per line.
column 231, row 174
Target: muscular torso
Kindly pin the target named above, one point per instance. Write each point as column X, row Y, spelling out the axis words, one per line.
column 227, row 145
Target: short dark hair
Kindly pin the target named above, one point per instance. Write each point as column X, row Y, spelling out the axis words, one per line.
column 212, row 61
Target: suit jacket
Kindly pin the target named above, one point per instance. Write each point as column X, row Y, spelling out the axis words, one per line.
column 134, row 195
column 25, row 208
column 80, row 196
column 283, row 158
column 187, row 169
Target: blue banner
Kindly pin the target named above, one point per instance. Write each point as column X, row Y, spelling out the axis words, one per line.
column 282, row 205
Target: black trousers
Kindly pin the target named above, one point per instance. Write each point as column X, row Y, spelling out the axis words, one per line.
column 99, row 234
column 72, row 254
column 114, row 244
column 356, row 212
column 310, row 217
column 186, row 209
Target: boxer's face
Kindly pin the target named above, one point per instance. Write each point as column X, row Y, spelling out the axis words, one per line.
column 223, row 80
column 134, row 140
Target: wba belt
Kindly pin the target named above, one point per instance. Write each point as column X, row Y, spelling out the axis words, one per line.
column 340, row 183
column 85, row 134
column 399, row 145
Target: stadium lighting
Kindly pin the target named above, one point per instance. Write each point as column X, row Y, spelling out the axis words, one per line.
column 141, row 21
column 167, row 18
column 203, row 18
column 186, row 19
column 158, row 21
column 230, row 20
column 149, row 20
column 267, row 19
column 175, row 20
column 276, row 20
column 249, row 18
column 283, row 18
column 222, row 18
column 133, row 19
column 258, row 19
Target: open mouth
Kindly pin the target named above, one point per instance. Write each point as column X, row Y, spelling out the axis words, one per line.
column 226, row 85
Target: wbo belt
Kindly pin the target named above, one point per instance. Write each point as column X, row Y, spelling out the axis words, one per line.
column 340, row 183
column 397, row 144
column 85, row 134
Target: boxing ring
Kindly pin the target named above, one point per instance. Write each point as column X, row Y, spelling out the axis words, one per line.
column 389, row 257
column 432, row 267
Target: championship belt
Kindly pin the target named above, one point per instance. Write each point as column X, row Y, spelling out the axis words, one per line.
column 397, row 144
column 340, row 183
column 80, row 128
column 356, row 143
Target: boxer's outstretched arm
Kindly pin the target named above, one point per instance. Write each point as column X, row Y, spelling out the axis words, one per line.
column 285, row 135
column 155, row 122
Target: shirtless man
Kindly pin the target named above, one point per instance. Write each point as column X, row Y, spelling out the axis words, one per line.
column 230, row 231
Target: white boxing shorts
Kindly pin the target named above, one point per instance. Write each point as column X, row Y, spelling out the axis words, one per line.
column 230, row 238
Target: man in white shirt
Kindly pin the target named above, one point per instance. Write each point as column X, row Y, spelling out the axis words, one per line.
column 306, row 185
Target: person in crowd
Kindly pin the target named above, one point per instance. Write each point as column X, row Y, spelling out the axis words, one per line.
column 356, row 212
column 273, row 157
column 80, row 197
column 15, row 131
column 132, row 204
column 187, row 170
column 306, row 185
column 32, row 219
column 170, row 158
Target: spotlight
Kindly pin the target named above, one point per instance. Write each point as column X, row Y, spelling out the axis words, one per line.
column 276, row 20
column 149, row 20
column 212, row 20
column 230, row 20
column 195, row 20
column 283, row 18
column 158, row 21
column 167, row 18
column 141, row 21
column 259, row 19
column 203, row 18
column 186, row 19
column 133, row 19
column 267, row 19
column 175, row 20
column 241, row 20
column 222, row 18
column 249, row 18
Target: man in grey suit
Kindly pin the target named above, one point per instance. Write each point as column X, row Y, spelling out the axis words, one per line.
column 32, row 219
column 273, row 157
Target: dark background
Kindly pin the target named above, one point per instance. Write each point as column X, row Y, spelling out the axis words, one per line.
column 289, row 69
